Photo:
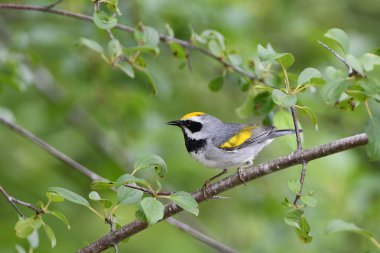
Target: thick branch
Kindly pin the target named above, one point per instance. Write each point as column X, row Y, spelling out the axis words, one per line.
column 163, row 37
column 227, row 183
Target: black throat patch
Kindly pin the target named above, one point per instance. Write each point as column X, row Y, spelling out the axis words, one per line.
column 193, row 145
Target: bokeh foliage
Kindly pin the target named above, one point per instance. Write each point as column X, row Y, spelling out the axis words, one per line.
column 107, row 121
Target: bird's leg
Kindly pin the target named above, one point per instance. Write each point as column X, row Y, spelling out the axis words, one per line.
column 239, row 169
column 208, row 181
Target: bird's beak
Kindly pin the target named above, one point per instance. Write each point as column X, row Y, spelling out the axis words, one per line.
column 174, row 123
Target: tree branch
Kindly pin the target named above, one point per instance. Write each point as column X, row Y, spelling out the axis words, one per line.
column 13, row 201
column 163, row 37
column 232, row 181
column 299, row 148
column 56, row 153
column 51, row 150
column 201, row 237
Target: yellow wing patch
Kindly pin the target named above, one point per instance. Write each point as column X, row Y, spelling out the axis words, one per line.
column 192, row 114
column 239, row 138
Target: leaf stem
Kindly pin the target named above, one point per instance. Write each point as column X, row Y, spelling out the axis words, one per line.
column 368, row 109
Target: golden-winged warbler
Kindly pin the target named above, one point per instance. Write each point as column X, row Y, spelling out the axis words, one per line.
column 216, row 144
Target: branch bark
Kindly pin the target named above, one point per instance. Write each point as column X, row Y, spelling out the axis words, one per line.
column 232, row 181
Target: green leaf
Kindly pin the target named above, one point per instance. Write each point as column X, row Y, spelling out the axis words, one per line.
column 285, row 60
column 235, row 59
column 213, row 35
column 343, row 226
column 294, row 185
column 307, row 75
column 112, row 5
column 103, row 20
column 150, row 80
column 54, row 197
column 114, row 49
column 50, row 234
column 33, row 239
column 152, row 162
column 293, row 217
column 61, row 217
column 340, row 37
column 20, row 249
column 91, row 44
column 354, row 63
column 369, row 60
column 215, row 48
column 216, row 84
column 304, row 230
column 24, row 227
column 265, row 53
column 127, row 196
column 333, row 89
column 309, row 200
column 244, row 84
column 178, row 50
column 372, row 129
column 36, row 221
column 101, row 185
column 186, row 201
column 128, row 178
column 94, row 196
column 263, row 103
column 127, row 68
column 70, row 196
column 311, row 114
column 153, row 209
column 283, row 99
column 146, row 35
column 169, row 30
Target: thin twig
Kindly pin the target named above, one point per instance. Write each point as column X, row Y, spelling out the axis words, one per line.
column 351, row 70
column 299, row 148
column 53, row 151
column 148, row 191
column 112, row 227
column 53, row 4
column 163, row 37
column 201, row 237
column 13, row 201
column 232, row 181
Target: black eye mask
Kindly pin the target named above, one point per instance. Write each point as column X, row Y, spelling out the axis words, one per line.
column 193, row 126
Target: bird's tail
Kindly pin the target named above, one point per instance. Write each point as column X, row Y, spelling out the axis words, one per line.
column 283, row 132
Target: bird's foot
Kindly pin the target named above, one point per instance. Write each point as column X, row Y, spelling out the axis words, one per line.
column 204, row 189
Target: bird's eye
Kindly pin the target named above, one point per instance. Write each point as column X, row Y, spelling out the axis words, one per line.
column 193, row 126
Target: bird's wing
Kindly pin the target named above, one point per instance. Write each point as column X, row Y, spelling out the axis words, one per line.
column 250, row 134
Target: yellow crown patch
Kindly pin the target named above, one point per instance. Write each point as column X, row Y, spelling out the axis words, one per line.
column 192, row 114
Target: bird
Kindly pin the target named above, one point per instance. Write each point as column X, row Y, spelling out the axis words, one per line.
column 216, row 144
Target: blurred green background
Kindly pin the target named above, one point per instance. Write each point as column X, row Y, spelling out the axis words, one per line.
column 95, row 114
